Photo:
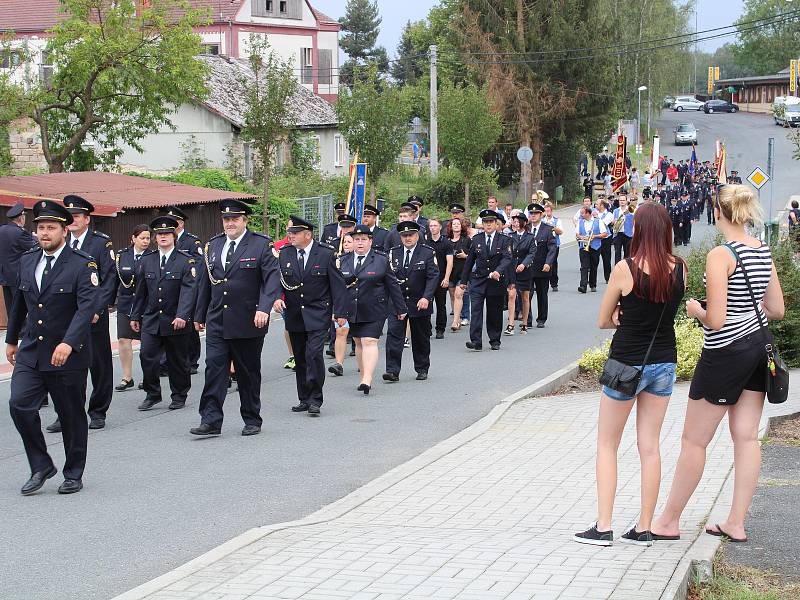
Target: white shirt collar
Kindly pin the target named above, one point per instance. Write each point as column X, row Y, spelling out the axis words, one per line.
column 237, row 240
column 161, row 253
column 414, row 247
column 80, row 238
column 55, row 254
column 357, row 255
column 307, row 248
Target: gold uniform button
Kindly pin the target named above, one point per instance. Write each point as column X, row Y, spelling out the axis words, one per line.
column 159, row 289
column 302, row 307
column 301, row 295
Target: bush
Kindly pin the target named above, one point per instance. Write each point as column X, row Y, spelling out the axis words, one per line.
column 448, row 187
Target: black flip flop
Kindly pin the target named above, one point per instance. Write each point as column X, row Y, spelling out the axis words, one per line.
column 665, row 538
column 720, row 533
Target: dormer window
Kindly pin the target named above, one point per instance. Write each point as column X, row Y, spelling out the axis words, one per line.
column 284, row 9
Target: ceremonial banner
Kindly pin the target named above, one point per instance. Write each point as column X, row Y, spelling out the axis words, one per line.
column 355, row 204
column 716, row 73
column 710, row 80
column 655, row 159
column 619, row 174
column 693, row 161
column 792, row 76
column 722, row 170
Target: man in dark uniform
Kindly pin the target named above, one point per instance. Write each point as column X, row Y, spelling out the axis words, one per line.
column 456, row 210
column 190, row 243
column 14, row 242
column 331, row 231
column 676, row 216
column 414, row 266
column 734, row 178
column 443, row 248
column 235, row 293
column 379, row 234
column 313, row 291
column 55, row 303
column 419, row 203
column 162, row 310
column 98, row 246
column 490, row 254
column 686, row 217
column 406, row 212
column 541, row 260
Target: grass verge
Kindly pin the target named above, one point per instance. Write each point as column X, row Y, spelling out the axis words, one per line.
column 734, row 582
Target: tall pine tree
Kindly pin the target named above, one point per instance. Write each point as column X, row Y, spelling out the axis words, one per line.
column 361, row 26
column 406, row 69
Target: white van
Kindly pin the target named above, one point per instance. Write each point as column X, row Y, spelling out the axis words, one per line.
column 786, row 111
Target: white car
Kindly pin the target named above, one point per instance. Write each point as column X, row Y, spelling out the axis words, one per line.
column 685, row 133
column 687, row 103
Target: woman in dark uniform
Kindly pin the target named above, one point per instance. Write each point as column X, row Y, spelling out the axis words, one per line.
column 523, row 248
column 374, row 294
column 458, row 233
column 127, row 265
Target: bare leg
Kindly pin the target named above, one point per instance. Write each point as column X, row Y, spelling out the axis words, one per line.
column 650, row 411
column 458, row 304
column 126, row 358
column 610, row 424
column 369, row 359
column 526, row 306
column 340, row 344
column 288, row 342
column 359, row 361
column 702, row 420
column 512, row 305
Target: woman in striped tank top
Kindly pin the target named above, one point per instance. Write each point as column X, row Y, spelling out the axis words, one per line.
column 730, row 373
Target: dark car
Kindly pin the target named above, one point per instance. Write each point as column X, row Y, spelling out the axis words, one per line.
column 713, row 106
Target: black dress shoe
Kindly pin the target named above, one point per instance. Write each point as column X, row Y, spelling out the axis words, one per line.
column 96, row 424
column 313, row 411
column 364, row 388
column 391, row 377
column 205, row 429
column 124, row 385
column 440, row 335
column 140, row 386
column 251, row 430
column 330, row 352
column 594, row 289
column 193, row 370
column 176, row 404
column 581, row 289
column 422, row 376
column 302, row 407
column 555, row 288
column 35, row 483
column 149, row 403
column 540, row 324
column 494, row 346
column 163, row 373
column 70, row 486
column 474, row 346
column 336, row 369
column 54, row 427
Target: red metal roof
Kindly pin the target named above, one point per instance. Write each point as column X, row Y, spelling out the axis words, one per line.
column 110, row 193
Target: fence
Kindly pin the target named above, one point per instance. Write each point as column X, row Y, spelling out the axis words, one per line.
column 317, row 210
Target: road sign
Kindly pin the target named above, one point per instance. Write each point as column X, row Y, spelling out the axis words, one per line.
column 524, row 154
column 758, row 178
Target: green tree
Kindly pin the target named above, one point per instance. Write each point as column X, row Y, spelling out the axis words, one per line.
column 374, row 119
column 120, row 70
column 268, row 91
column 767, row 50
column 467, row 128
column 406, row 69
column 361, row 26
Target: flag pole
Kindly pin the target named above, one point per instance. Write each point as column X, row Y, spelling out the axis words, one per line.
column 353, row 169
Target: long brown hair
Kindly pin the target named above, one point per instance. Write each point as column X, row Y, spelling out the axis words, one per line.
column 464, row 227
column 652, row 244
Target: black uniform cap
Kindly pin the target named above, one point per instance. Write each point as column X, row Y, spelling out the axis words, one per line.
column 47, row 210
column 371, row 210
column 521, row 216
column 299, row 225
column 164, row 224
column 456, row 208
column 234, row 208
column 408, row 227
column 174, row 211
column 346, row 220
column 15, row 210
column 535, row 207
column 488, row 213
column 76, row 204
column 416, row 200
column 339, row 206
column 410, row 206
column 363, row 229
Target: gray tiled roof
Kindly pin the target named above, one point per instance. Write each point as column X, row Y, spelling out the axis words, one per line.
column 226, row 96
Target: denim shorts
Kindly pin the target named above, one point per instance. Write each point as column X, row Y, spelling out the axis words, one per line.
column 657, row 379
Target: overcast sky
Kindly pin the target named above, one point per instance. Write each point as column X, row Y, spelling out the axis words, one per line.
column 711, row 14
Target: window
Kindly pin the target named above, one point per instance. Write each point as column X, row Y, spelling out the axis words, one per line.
column 10, row 59
column 210, row 49
column 263, row 8
column 316, row 146
column 306, row 65
column 338, row 150
column 46, row 69
column 325, row 70
column 284, row 7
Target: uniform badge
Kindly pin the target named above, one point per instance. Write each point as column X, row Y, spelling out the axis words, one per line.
column 111, row 252
column 275, row 252
column 193, row 271
column 95, row 280
column 92, row 265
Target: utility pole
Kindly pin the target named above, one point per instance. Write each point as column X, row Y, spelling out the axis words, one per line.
column 434, row 127
column 694, row 83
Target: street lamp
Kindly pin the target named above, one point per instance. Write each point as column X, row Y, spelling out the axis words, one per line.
column 640, row 89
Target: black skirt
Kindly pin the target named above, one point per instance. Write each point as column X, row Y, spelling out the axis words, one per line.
column 368, row 329
column 124, row 330
column 722, row 374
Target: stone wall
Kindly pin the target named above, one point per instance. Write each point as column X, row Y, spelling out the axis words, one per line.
column 25, row 145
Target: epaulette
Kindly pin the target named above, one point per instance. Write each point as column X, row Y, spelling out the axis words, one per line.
column 82, row 254
column 381, row 252
column 125, row 249
column 216, row 237
column 186, row 253
column 100, row 234
column 259, row 234
column 148, row 252
column 393, row 247
column 191, row 235
column 36, row 248
column 328, row 246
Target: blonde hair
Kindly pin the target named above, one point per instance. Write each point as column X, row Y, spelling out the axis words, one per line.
column 740, row 205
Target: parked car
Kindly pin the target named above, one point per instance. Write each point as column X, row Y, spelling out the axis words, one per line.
column 668, row 100
column 786, row 111
column 686, row 103
column 685, row 133
column 713, row 106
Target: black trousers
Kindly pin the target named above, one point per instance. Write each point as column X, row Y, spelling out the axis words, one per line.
column 8, row 297
column 622, row 245
column 605, row 256
column 309, row 360
column 101, row 370
column 687, row 232
column 440, row 298
column 420, row 343
column 494, row 316
column 176, row 349
column 246, row 356
column 554, row 270
column 194, row 347
column 589, row 263
column 542, row 286
column 68, row 390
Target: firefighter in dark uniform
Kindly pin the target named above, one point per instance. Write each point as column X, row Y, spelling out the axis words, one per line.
column 331, row 231
column 456, row 210
column 98, row 246
column 419, row 203
column 686, row 217
column 162, row 312
column 55, row 304
column 313, row 292
column 414, row 265
column 490, row 254
column 379, row 234
column 406, row 212
column 14, row 241
column 190, row 243
column 734, row 178
column 676, row 216
column 346, row 224
column 236, row 289
column 543, row 254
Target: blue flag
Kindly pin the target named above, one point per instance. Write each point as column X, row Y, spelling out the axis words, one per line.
column 359, row 192
column 693, row 161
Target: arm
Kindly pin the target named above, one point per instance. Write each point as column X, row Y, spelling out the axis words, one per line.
column 395, row 294
column 107, row 291
column 719, row 266
column 772, row 302
column 203, row 296
column 139, row 299
column 341, row 299
column 448, row 268
column 551, row 251
column 186, row 300
column 16, row 318
column 431, row 279
column 270, row 285
column 468, row 264
column 86, row 297
column 619, row 280
column 505, row 259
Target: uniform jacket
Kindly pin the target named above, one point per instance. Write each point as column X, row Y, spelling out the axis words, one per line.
column 393, row 238
column 128, row 276
column 420, row 280
column 251, row 282
column 14, row 242
column 330, row 233
column 190, row 243
column 379, row 235
column 522, row 249
column 372, row 292
column 163, row 295
column 60, row 312
column 314, row 294
column 99, row 246
column 485, row 260
column 543, row 251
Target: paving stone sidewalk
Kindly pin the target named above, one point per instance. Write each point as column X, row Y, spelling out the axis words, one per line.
column 491, row 519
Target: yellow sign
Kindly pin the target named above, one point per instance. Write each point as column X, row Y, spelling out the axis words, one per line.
column 758, row 178
column 792, row 76
column 716, row 73
column 710, row 80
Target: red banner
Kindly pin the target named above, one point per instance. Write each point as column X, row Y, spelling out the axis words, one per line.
column 619, row 173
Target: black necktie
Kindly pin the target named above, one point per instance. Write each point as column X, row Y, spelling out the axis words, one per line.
column 136, row 258
column 163, row 261
column 229, row 255
column 46, row 271
column 535, row 230
column 489, row 243
column 301, row 258
column 75, row 244
column 407, row 262
column 358, row 263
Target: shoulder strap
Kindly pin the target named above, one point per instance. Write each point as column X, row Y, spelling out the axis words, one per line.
column 655, row 334
column 761, row 323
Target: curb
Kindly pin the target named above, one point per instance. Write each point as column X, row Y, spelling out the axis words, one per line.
column 357, row 497
column 697, row 564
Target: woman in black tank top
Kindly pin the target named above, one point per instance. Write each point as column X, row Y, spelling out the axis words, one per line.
column 641, row 301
